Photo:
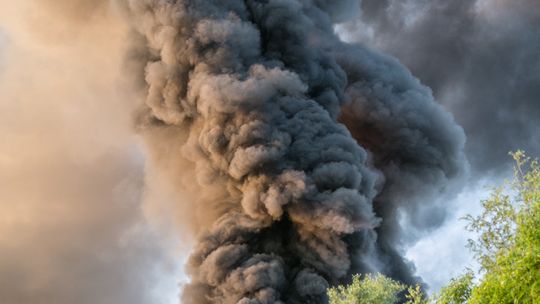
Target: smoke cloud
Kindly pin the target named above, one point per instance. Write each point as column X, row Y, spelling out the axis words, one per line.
column 71, row 175
column 302, row 156
column 480, row 58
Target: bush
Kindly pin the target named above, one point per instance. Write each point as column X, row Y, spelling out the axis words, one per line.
column 369, row 289
column 509, row 244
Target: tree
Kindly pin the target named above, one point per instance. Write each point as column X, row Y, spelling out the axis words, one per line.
column 416, row 296
column 369, row 289
column 508, row 247
column 458, row 291
column 508, row 243
column 375, row 289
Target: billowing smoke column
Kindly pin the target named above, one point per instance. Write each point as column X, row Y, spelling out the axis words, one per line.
column 307, row 155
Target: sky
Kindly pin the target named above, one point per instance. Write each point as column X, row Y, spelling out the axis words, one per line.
column 77, row 224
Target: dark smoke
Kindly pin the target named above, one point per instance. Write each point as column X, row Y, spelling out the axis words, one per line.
column 304, row 154
column 481, row 59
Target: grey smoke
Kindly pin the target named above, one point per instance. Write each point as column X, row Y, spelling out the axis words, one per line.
column 249, row 95
column 480, row 58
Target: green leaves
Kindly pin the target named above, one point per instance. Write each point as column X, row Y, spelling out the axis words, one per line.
column 495, row 226
column 457, row 291
column 416, row 296
column 513, row 272
column 369, row 289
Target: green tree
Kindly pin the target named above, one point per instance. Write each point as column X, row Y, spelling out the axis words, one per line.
column 508, row 247
column 508, row 243
column 415, row 295
column 375, row 289
column 458, row 291
column 369, row 289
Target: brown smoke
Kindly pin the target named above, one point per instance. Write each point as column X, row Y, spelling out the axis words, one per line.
column 71, row 176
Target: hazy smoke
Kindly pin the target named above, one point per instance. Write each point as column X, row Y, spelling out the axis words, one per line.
column 243, row 108
column 71, row 176
column 481, row 59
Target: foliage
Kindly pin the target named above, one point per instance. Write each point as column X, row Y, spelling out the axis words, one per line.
column 495, row 226
column 512, row 273
column 415, row 295
column 375, row 289
column 457, row 291
column 508, row 243
column 369, row 289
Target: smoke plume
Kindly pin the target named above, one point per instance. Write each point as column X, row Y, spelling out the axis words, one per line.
column 303, row 156
column 480, row 58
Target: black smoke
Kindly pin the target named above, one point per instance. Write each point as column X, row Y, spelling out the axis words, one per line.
column 480, row 58
column 305, row 154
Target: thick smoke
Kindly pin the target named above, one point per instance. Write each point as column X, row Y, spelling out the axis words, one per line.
column 481, row 59
column 71, row 176
column 302, row 154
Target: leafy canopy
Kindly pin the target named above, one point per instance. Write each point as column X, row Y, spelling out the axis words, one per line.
column 509, row 244
column 369, row 289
